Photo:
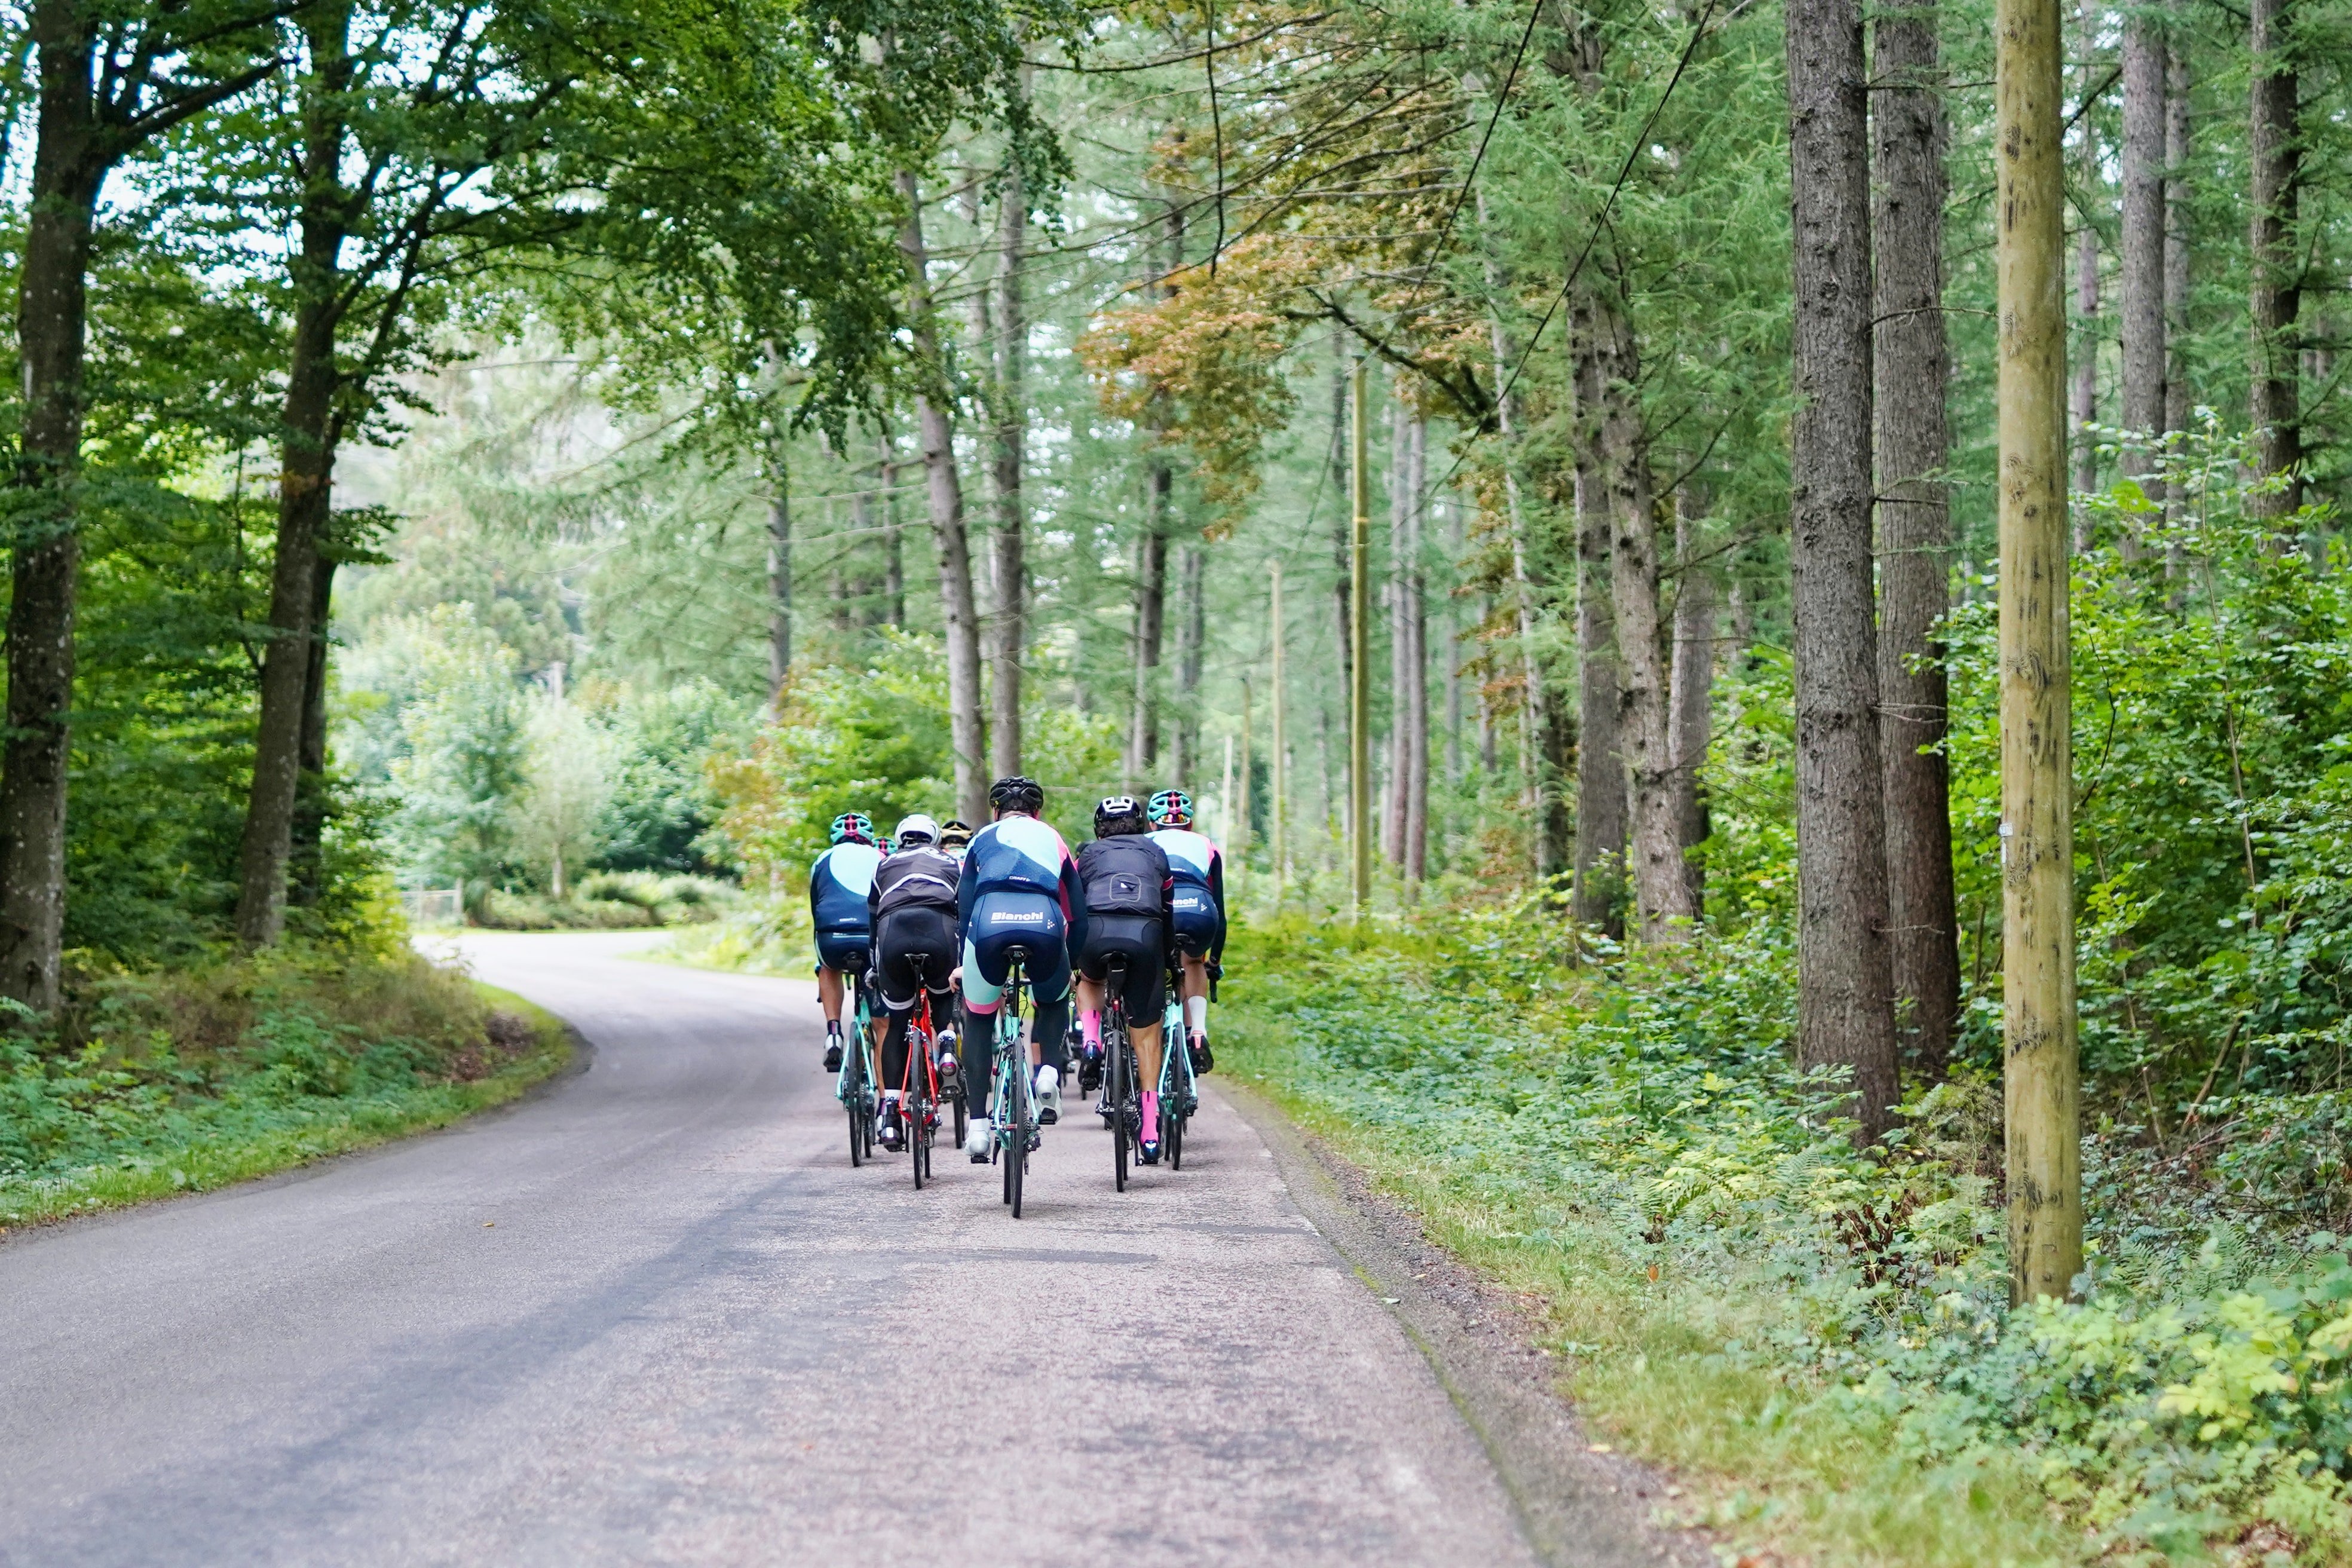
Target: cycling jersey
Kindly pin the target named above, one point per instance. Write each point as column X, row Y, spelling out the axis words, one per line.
column 921, row 878
column 838, row 884
column 1125, row 874
column 1023, row 855
column 1198, row 897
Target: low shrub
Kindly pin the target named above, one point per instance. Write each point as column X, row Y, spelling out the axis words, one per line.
column 1823, row 1332
column 609, row 900
column 146, row 1084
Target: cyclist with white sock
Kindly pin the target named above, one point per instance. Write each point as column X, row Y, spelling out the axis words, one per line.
column 912, row 908
column 838, row 883
column 1199, row 901
column 1020, row 888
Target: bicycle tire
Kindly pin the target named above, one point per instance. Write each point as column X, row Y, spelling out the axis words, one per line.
column 1120, row 1077
column 854, row 1101
column 1018, row 1167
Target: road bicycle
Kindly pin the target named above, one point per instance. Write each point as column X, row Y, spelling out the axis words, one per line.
column 1122, row 1112
column 1179, row 1092
column 855, row 1086
column 1016, row 1086
column 919, row 1086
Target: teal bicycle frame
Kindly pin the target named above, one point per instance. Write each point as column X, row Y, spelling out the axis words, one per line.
column 1015, row 1113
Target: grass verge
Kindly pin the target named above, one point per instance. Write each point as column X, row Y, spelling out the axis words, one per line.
column 1816, row 1343
column 151, row 1087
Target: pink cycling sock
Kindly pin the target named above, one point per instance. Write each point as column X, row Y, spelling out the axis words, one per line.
column 1150, row 1116
column 1091, row 1029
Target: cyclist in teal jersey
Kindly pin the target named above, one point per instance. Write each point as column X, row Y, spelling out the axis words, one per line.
column 838, row 883
column 1199, row 901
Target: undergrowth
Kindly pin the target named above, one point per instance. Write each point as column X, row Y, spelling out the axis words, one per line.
column 1821, row 1341
column 147, row 1085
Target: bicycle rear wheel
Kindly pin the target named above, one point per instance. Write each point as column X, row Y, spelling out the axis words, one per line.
column 1120, row 1083
column 1016, row 1165
column 852, row 1100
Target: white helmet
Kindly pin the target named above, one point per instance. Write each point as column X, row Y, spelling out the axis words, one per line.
column 916, row 829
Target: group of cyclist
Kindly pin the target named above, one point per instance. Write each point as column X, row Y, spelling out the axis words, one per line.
column 941, row 910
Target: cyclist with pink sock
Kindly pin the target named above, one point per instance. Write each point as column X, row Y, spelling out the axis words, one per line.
column 1128, row 888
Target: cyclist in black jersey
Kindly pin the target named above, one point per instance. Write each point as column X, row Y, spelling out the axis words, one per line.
column 912, row 910
column 1129, row 913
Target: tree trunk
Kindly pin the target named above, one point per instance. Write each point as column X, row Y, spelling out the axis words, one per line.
column 1661, row 890
column 943, row 488
column 1599, row 764
column 1845, row 1007
column 1342, row 480
column 69, row 164
column 2142, row 251
column 780, row 568
column 1192, row 629
column 894, row 554
column 306, row 875
column 53, row 304
column 2275, row 156
column 2085, row 410
column 1912, row 368
column 2041, row 1096
column 2176, row 260
column 1416, row 687
column 1393, row 799
column 1150, row 618
column 1454, row 551
column 1692, row 702
column 1008, row 563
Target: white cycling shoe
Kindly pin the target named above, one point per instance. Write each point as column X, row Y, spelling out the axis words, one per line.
column 978, row 1138
column 1049, row 1095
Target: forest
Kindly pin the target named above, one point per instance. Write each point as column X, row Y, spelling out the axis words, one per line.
column 565, row 454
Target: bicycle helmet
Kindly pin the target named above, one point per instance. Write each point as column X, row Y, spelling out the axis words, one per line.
column 1172, row 808
column 1018, row 793
column 1119, row 814
column 853, row 826
column 954, row 833
column 916, row 829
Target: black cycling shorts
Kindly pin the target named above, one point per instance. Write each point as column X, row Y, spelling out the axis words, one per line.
column 841, row 950
column 1196, row 919
column 1137, row 939
column 904, row 936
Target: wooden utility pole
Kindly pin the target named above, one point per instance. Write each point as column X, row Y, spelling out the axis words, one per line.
column 1281, row 763
column 1237, row 841
column 2044, row 1090
column 1359, row 686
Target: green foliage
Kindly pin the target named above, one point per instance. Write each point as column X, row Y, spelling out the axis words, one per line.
column 871, row 739
column 1636, row 1139
column 190, row 1079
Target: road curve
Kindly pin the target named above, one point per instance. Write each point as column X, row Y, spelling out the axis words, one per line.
column 653, row 1316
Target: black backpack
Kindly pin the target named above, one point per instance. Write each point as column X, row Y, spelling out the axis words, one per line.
column 1123, row 874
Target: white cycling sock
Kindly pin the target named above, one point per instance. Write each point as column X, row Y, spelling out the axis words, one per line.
column 1196, row 1016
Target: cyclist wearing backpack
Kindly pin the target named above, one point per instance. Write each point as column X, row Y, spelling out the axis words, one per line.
column 1129, row 912
column 838, row 883
column 1199, row 925
column 1020, row 888
column 912, row 909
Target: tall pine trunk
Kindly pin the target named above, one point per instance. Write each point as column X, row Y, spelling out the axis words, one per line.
column 894, row 552
column 1912, row 367
column 1009, row 566
column 779, row 566
column 306, row 875
column 1661, row 892
column 1191, row 628
column 1692, row 701
column 1415, row 695
column 2141, row 253
column 1845, row 1014
column 2176, row 257
column 1599, row 764
column 1151, row 619
column 311, row 428
column 943, row 488
column 70, row 161
column 2275, row 156
column 1392, row 801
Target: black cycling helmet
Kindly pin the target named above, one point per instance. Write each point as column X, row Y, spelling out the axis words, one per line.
column 1018, row 793
column 1119, row 814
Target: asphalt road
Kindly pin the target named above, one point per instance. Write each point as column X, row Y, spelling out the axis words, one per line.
column 653, row 1316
